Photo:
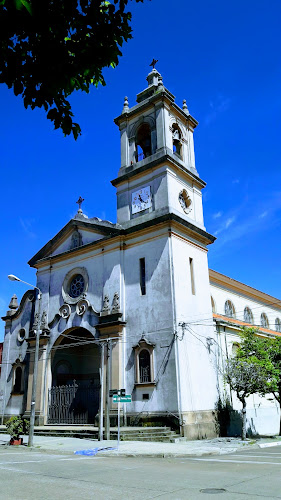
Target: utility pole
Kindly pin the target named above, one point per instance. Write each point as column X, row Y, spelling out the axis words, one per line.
column 107, row 389
column 101, row 392
column 35, row 372
column 37, row 330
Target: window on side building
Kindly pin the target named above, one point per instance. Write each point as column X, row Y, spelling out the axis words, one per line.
column 264, row 320
column 229, row 309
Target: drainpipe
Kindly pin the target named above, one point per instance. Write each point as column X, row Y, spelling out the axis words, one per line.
column 101, row 392
column 175, row 329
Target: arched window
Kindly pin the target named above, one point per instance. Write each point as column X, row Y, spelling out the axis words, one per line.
column 177, row 140
column 213, row 305
column 235, row 348
column 278, row 325
column 144, row 366
column 264, row 320
column 144, row 362
column 229, row 309
column 248, row 315
column 18, row 379
column 143, row 142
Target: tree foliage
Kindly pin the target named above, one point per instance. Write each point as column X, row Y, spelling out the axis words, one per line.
column 264, row 349
column 251, row 371
column 49, row 48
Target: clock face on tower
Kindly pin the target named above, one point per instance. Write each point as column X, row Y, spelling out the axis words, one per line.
column 141, row 200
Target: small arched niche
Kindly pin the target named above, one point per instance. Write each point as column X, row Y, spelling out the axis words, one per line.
column 177, row 140
column 143, row 142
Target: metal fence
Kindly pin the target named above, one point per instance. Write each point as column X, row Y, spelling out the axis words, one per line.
column 73, row 404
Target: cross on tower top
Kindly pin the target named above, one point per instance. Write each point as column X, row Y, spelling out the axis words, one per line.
column 80, row 201
column 153, row 63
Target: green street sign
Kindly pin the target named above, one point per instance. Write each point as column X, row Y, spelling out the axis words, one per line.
column 122, row 399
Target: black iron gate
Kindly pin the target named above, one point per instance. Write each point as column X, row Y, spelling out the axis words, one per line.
column 73, row 404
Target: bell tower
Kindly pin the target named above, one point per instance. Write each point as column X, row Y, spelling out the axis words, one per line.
column 158, row 173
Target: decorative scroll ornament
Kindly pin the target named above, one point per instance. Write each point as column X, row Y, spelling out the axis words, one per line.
column 65, row 311
column 115, row 303
column 82, row 306
column 185, row 201
column 105, row 307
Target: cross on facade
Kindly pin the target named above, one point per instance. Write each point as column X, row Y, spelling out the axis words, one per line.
column 80, row 201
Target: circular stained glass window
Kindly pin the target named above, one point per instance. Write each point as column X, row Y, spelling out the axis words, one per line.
column 76, row 286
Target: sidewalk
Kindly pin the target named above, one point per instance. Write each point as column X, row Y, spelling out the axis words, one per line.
column 68, row 445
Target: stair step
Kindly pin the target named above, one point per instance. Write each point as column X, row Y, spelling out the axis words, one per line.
column 153, row 434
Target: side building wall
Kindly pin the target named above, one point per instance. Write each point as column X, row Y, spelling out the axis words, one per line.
column 263, row 414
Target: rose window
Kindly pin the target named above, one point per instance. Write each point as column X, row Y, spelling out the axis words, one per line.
column 76, row 286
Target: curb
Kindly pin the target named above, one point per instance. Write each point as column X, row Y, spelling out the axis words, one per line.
column 269, row 445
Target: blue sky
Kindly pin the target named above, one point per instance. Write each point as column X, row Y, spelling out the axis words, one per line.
column 224, row 58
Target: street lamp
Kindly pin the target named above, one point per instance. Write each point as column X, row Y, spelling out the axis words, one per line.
column 36, row 356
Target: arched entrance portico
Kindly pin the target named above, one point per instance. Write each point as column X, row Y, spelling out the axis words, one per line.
column 74, row 395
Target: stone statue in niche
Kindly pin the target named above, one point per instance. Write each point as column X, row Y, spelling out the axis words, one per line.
column 36, row 321
column 44, row 323
column 115, row 303
column 76, row 240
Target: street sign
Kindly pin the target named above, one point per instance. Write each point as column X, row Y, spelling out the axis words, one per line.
column 118, row 392
column 122, row 399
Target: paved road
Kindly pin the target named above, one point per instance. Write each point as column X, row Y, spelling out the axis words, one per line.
column 33, row 475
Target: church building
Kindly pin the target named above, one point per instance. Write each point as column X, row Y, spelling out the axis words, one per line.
column 133, row 305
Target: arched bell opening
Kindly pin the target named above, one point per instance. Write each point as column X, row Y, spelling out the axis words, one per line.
column 177, row 140
column 74, row 395
column 143, row 142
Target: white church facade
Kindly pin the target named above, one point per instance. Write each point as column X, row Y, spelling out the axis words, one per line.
column 133, row 304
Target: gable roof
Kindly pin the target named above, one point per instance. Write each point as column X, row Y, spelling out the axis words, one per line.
column 80, row 221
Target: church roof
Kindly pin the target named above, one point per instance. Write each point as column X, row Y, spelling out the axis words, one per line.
column 95, row 225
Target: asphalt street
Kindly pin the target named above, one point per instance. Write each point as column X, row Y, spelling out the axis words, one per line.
column 28, row 474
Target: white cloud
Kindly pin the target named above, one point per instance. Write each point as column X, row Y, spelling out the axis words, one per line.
column 263, row 214
column 26, row 225
column 229, row 221
column 225, row 225
column 217, row 215
column 222, row 104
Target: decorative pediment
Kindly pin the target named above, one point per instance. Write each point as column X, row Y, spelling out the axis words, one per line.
column 78, row 232
column 143, row 342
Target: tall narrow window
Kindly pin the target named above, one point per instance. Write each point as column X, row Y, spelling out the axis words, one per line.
column 192, row 275
column 18, row 379
column 142, row 276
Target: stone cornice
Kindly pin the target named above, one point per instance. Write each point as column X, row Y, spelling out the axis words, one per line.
column 169, row 218
column 106, row 230
column 242, row 289
column 159, row 159
column 159, row 96
column 237, row 324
